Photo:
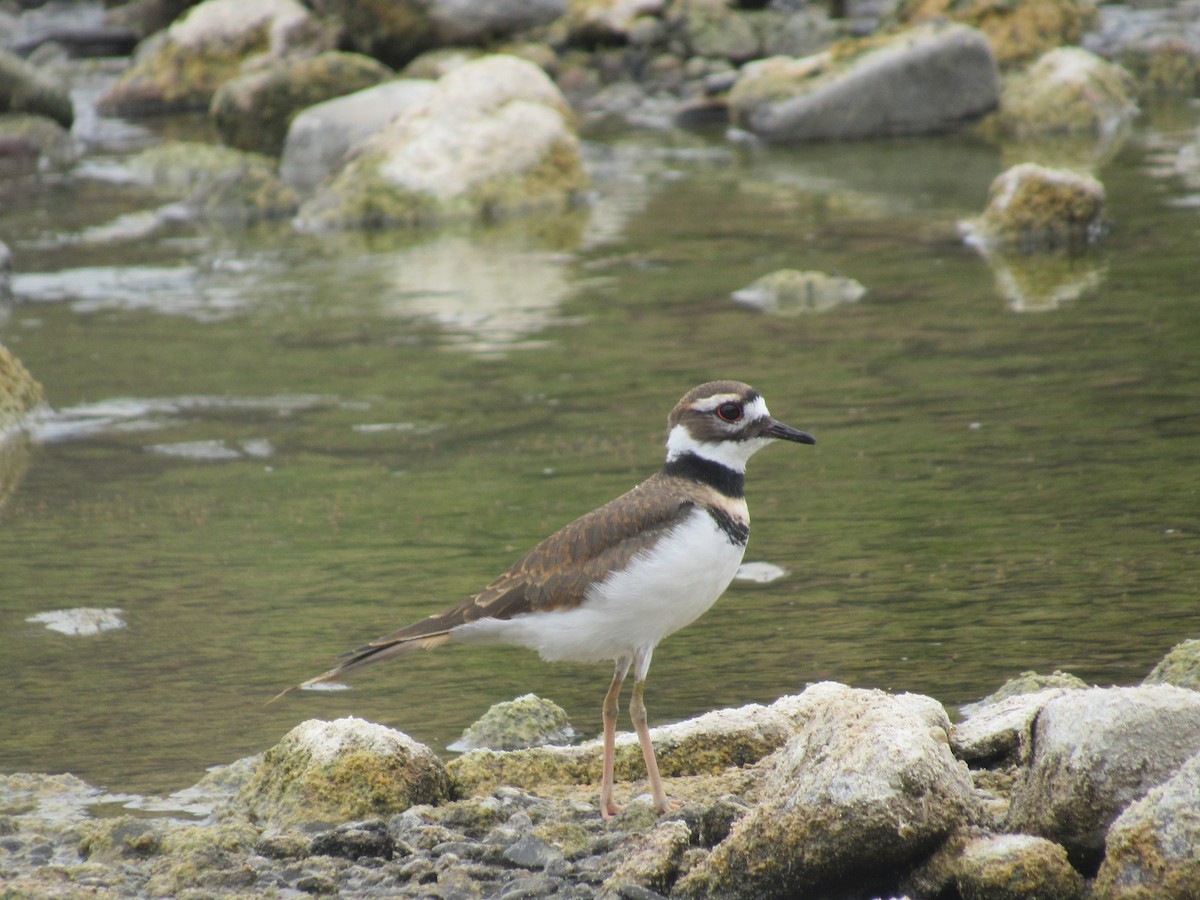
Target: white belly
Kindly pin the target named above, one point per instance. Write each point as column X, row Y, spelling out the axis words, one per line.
column 630, row 611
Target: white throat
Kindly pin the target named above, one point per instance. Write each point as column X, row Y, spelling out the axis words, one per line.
column 731, row 454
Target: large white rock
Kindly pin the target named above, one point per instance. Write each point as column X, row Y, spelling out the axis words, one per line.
column 495, row 138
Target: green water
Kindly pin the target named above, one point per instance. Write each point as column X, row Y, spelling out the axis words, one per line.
column 270, row 447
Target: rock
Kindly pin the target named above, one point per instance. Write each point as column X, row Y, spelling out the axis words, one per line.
column 493, row 140
column 1001, row 732
column 20, row 394
column 531, row 852
column 1031, row 683
column 1016, row 867
column 144, row 17
column 527, row 721
column 1151, row 849
column 1159, row 45
column 253, row 111
column 789, row 292
column 1180, row 667
column 400, row 31
column 603, row 22
column 81, row 30
column 705, row 745
column 1094, row 753
column 38, row 141
column 1017, row 32
column 355, row 840
column 867, row 787
column 433, row 64
column 181, row 68
column 1069, row 108
column 1035, row 209
column 654, row 864
column 217, row 182
column 927, row 80
column 342, row 770
column 319, row 137
column 23, row 89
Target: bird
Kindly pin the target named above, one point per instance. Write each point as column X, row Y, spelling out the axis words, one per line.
column 615, row 582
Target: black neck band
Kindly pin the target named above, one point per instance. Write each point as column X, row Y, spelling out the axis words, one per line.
column 729, row 482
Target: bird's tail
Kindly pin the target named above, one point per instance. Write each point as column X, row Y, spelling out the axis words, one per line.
column 376, row 651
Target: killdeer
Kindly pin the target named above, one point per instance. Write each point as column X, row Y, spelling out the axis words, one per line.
column 615, row 582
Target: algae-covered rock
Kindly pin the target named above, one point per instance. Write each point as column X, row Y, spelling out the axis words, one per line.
column 20, row 395
column 1180, row 667
column 527, row 721
column 1017, row 31
column 1032, row 683
column 253, row 111
column 867, row 787
column 494, row 140
column 1016, row 867
column 926, row 80
column 1094, row 753
column 790, row 292
column 654, row 864
column 705, row 745
column 217, row 182
column 1152, row 850
column 342, row 770
column 182, row 67
column 24, row 89
column 1035, row 209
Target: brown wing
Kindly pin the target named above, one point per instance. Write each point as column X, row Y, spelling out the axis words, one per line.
column 553, row 575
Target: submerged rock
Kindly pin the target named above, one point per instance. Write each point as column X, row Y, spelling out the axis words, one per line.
column 253, row 111
column 927, row 80
column 1094, row 753
column 495, row 139
column 1035, row 209
column 342, row 770
column 789, row 292
column 527, row 721
column 866, row 787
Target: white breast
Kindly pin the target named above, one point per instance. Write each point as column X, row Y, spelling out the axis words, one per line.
column 630, row 611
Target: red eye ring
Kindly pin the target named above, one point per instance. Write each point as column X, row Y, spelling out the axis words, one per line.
column 730, row 412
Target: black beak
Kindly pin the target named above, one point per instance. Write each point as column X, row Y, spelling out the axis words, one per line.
column 787, row 433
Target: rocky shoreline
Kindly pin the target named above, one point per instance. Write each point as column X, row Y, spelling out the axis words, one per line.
column 1047, row 788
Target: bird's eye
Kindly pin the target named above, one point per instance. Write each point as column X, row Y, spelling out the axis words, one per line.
column 729, row 412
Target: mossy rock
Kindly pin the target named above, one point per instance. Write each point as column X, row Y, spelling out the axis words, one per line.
column 1180, row 667
column 1035, row 209
column 332, row 772
column 253, row 111
column 1018, row 32
column 527, row 721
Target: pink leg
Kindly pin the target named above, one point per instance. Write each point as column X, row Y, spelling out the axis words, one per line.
column 608, row 808
column 637, row 712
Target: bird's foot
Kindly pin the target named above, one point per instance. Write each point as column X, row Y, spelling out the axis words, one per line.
column 608, row 809
column 667, row 805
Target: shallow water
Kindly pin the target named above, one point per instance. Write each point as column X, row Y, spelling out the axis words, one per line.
column 268, row 447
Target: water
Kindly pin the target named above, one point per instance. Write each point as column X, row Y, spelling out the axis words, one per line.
column 269, row 447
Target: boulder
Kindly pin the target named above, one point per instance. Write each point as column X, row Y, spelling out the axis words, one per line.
column 789, row 292
column 1152, row 850
column 253, row 111
column 706, row 745
column 527, row 721
column 1016, row 867
column 1018, row 32
column 396, row 31
column 1159, row 45
column 33, row 143
column 182, row 67
column 1094, row 753
column 335, row 772
column 866, row 788
column 20, row 395
column 24, row 89
column 320, row 136
column 927, row 80
column 495, row 139
column 653, row 865
column 1001, row 732
column 1067, row 91
column 1180, row 667
column 1035, row 209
